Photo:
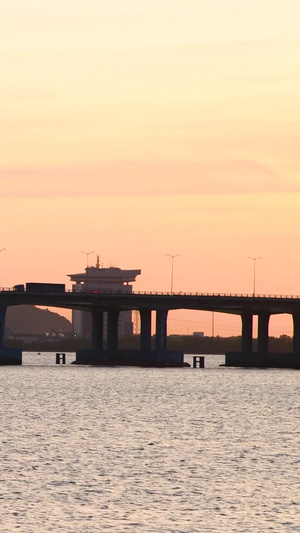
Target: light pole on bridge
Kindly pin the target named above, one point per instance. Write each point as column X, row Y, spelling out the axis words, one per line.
column 87, row 266
column 87, row 257
column 172, row 268
column 254, row 259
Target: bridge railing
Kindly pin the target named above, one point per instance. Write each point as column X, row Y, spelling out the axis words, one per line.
column 223, row 294
column 200, row 294
column 177, row 294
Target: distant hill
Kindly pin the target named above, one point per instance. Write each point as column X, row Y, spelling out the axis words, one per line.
column 31, row 319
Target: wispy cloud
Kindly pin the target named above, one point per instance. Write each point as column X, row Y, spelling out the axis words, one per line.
column 131, row 178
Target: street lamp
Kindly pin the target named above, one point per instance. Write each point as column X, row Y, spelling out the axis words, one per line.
column 87, row 266
column 87, row 257
column 254, row 259
column 172, row 268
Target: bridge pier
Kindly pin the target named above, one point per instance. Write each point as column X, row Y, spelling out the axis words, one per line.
column 145, row 356
column 112, row 330
column 2, row 325
column 262, row 357
column 296, row 334
column 247, row 357
column 247, row 332
column 8, row 356
column 97, row 329
column 161, row 330
column 263, row 334
column 98, row 355
column 145, row 315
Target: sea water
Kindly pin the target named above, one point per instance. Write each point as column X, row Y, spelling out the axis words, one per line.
column 91, row 449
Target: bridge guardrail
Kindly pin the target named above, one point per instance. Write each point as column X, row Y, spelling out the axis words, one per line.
column 180, row 293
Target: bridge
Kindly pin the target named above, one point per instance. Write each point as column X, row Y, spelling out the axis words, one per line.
column 97, row 303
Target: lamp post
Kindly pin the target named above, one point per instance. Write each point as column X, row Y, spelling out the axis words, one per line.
column 2, row 249
column 172, row 268
column 87, row 257
column 87, row 266
column 254, row 259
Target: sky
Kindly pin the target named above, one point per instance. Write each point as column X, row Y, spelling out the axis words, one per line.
column 139, row 129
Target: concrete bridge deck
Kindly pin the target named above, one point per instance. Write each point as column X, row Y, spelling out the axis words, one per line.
column 219, row 302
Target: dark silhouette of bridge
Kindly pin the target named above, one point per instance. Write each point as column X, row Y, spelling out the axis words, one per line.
column 112, row 303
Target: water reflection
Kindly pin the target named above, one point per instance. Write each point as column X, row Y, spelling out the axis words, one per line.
column 129, row 449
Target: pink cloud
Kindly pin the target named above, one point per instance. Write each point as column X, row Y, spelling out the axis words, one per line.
column 128, row 178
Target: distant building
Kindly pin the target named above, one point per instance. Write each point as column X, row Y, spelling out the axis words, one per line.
column 198, row 334
column 99, row 279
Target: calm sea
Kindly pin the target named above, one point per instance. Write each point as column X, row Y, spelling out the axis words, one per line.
column 86, row 449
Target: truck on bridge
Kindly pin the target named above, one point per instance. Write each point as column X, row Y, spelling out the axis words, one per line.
column 44, row 288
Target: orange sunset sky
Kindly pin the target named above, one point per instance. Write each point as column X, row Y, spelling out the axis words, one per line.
column 142, row 128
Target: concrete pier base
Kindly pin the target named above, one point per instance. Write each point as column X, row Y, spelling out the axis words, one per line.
column 130, row 358
column 10, row 356
column 266, row 360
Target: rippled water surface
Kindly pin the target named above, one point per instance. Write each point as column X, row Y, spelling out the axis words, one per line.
column 87, row 449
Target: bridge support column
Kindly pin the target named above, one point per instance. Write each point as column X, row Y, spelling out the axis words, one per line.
column 112, row 330
column 8, row 356
column 263, row 333
column 247, row 332
column 97, row 330
column 145, row 315
column 2, row 326
column 296, row 335
column 161, row 330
